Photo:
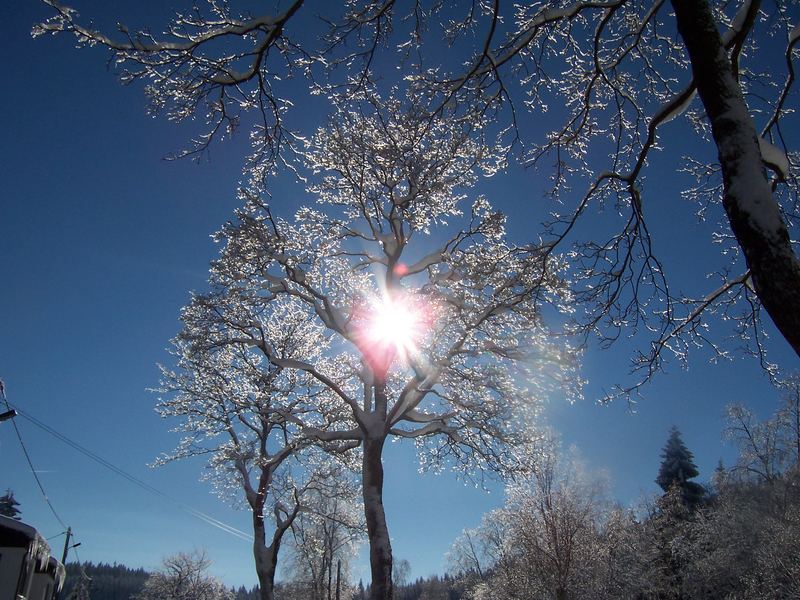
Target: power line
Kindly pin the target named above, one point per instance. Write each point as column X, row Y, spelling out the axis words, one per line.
column 33, row 470
column 73, row 547
column 135, row 480
column 30, row 462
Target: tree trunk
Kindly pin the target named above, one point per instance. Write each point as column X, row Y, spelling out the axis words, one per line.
column 330, row 577
column 380, row 549
column 753, row 212
column 266, row 558
column 339, row 580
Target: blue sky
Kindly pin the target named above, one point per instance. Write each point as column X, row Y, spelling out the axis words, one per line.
column 101, row 241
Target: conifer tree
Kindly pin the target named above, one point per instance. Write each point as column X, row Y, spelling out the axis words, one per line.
column 361, row 594
column 677, row 468
column 8, row 505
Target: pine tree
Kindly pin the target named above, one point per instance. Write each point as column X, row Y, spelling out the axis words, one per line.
column 8, row 505
column 677, row 468
column 361, row 594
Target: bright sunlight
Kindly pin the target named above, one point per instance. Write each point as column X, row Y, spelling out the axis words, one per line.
column 391, row 326
column 394, row 322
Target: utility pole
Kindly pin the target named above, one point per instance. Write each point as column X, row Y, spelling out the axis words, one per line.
column 58, row 595
column 66, row 547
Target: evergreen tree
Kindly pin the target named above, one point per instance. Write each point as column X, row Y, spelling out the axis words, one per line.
column 8, row 505
column 108, row 582
column 677, row 468
column 361, row 594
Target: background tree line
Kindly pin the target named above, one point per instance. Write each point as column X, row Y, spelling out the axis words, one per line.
column 560, row 536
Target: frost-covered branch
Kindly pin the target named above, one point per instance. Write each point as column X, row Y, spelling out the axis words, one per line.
column 255, row 419
column 480, row 355
column 616, row 83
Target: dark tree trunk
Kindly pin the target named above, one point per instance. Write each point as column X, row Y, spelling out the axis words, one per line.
column 380, row 549
column 330, row 577
column 266, row 558
column 339, row 580
column 753, row 212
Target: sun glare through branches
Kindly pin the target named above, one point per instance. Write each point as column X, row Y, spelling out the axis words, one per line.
column 391, row 325
column 394, row 323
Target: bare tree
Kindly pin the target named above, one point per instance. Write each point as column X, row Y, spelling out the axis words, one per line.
column 742, row 543
column 401, row 569
column 555, row 537
column 184, row 577
column 82, row 589
column 559, row 515
column 228, row 67
column 238, row 410
column 325, row 538
column 480, row 557
column 439, row 341
column 213, row 62
column 769, row 449
column 467, row 555
column 621, row 77
column 753, row 213
column 609, row 74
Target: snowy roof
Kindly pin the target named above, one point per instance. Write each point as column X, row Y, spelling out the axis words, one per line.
column 17, row 534
column 9, row 525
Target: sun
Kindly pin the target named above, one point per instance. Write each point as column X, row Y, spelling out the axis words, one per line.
column 394, row 322
column 390, row 327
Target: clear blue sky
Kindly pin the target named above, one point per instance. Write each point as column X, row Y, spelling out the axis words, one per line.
column 100, row 243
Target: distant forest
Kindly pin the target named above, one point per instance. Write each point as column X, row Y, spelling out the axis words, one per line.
column 109, row 582
column 118, row 582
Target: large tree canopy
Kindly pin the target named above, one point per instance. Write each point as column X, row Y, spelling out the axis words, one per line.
column 618, row 81
column 437, row 338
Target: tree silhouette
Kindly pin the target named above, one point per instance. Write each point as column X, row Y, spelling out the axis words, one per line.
column 677, row 468
column 8, row 505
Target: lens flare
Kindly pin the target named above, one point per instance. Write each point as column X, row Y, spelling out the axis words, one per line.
column 394, row 323
column 390, row 326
